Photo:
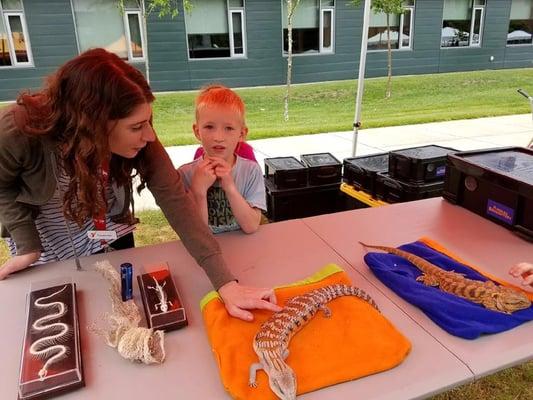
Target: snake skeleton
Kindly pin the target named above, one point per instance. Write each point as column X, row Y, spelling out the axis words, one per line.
column 47, row 347
column 272, row 340
column 133, row 342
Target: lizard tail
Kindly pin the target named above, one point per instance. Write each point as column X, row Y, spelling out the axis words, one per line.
column 370, row 246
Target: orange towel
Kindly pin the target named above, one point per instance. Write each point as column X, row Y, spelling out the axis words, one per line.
column 354, row 342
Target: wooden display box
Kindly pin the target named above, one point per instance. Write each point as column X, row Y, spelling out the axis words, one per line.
column 162, row 304
column 51, row 352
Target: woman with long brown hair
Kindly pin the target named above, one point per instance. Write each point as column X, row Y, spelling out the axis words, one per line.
column 68, row 155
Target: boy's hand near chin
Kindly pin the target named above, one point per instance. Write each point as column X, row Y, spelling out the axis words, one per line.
column 223, row 173
column 204, row 176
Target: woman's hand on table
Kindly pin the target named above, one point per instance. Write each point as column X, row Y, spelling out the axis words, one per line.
column 238, row 299
column 17, row 263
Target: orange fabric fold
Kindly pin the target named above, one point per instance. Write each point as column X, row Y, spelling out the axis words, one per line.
column 441, row 249
column 354, row 342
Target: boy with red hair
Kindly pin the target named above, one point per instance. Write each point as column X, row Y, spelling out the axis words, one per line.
column 229, row 190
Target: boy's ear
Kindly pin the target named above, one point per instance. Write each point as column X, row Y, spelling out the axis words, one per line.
column 196, row 131
column 244, row 132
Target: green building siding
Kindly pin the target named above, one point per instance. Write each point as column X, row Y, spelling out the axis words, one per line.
column 493, row 43
column 515, row 56
column 53, row 41
column 169, row 68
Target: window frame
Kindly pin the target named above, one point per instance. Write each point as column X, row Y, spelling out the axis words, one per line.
column 5, row 19
column 401, row 47
column 411, row 8
column 331, row 49
column 518, row 44
column 320, row 30
column 229, row 11
column 473, row 7
column 127, row 32
column 481, row 25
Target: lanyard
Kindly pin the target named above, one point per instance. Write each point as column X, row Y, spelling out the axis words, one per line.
column 99, row 219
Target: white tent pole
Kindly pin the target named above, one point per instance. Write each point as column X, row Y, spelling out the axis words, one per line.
column 361, row 79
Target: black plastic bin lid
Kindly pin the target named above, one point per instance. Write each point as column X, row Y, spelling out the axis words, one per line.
column 283, row 163
column 376, row 162
column 319, row 159
column 511, row 163
column 425, row 152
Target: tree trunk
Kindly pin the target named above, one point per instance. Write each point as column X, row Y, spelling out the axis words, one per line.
column 290, row 12
column 389, row 60
column 145, row 33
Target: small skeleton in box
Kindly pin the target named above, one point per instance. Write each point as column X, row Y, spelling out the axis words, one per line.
column 162, row 305
column 161, row 295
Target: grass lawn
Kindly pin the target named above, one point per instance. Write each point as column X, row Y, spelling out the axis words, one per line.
column 329, row 107
column 510, row 384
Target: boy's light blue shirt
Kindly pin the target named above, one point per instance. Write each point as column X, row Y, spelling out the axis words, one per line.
column 248, row 179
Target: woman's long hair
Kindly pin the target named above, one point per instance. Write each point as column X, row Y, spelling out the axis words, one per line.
column 75, row 108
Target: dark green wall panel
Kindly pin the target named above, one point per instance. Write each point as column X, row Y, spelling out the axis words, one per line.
column 52, row 38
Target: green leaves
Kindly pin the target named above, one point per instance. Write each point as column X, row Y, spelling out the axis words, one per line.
column 388, row 6
column 385, row 6
column 162, row 7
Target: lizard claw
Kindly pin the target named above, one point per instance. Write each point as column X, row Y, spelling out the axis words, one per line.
column 252, row 384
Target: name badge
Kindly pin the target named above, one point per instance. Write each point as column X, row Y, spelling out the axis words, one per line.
column 102, row 235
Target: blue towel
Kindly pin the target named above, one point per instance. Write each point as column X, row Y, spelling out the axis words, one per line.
column 454, row 314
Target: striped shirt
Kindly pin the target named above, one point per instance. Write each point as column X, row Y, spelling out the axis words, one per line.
column 51, row 225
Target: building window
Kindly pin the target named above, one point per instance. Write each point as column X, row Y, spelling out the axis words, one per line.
column 313, row 27
column 102, row 24
column 401, row 29
column 133, row 25
column 216, row 29
column 462, row 23
column 520, row 23
column 14, row 42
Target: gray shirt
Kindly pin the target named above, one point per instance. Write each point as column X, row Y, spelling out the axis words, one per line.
column 248, row 179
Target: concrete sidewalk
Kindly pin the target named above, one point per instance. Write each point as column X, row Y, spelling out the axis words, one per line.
column 471, row 134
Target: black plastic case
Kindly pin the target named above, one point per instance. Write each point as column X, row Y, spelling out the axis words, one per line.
column 361, row 171
column 323, row 168
column 283, row 204
column 419, row 164
column 286, row 172
column 496, row 184
column 396, row 191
